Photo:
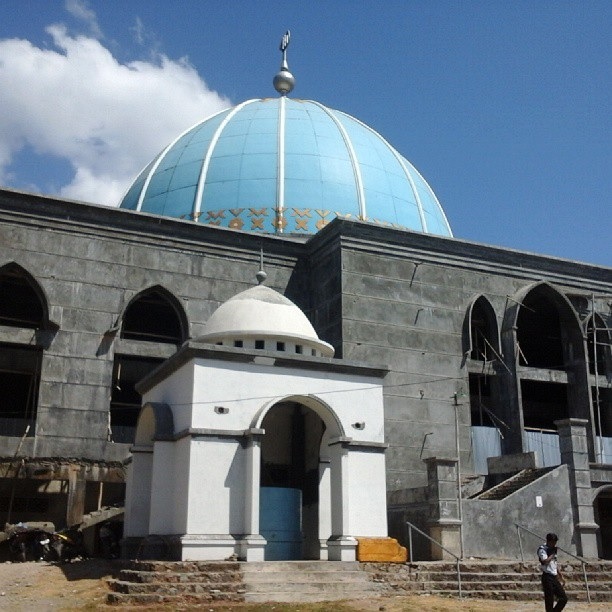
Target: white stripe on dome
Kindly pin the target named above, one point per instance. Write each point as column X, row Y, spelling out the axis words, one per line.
column 155, row 166
column 408, row 175
column 415, row 191
column 197, row 200
column 280, row 182
column 435, row 199
column 361, row 200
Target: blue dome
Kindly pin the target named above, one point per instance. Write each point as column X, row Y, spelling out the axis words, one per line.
column 283, row 165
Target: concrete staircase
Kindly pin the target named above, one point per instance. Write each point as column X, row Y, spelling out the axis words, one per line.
column 190, row 582
column 307, row 581
column 513, row 484
column 504, row 580
column 176, row 582
column 154, row 582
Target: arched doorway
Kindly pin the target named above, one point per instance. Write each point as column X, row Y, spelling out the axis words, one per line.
column 547, row 341
column 294, row 474
column 603, row 517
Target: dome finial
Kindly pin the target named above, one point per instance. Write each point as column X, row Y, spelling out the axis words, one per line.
column 284, row 81
column 261, row 275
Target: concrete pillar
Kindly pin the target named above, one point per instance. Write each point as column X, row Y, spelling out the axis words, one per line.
column 252, row 545
column 340, row 546
column 574, row 448
column 76, row 496
column 325, row 528
column 443, row 498
column 138, row 492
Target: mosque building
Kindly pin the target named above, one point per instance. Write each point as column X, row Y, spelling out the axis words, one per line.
column 382, row 372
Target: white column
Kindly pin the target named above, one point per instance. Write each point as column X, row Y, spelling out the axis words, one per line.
column 251, row 547
column 138, row 492
column 325, row 520
column 341, row 546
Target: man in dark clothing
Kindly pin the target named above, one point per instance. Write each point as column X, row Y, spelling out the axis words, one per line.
column 552, row 581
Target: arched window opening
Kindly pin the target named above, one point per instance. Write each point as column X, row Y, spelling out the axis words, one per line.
column 19, row 380
column 20, row 304
column 153, row 317
column 125, row 400
column 483, row 405
column 599, row 345
column 603, row 517
column 602, row 407
column 539, row 334
column 543, row 404
column 483, row 331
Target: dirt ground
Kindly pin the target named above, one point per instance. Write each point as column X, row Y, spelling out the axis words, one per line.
column 82, row 585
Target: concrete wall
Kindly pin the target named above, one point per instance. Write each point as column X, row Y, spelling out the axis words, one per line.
column 489, row 526
column 90, row 261
column 379, row 295
column 404, row 298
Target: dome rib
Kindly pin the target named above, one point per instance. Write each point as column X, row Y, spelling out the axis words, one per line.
column 280, row 183
column 162, row 155
column 199, row 195
column 282, row 165
column 361, row 199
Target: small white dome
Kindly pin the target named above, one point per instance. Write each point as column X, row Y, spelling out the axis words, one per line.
column 264, row 319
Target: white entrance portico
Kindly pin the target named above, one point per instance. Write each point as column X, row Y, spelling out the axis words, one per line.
column 256, row 406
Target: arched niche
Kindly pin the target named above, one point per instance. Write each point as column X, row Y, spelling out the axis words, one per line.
column 155, row 422
column 543, row 333
column 23, row 302
column 296, row 473
column 155, row 315
column 25, row 331
column 548, row 332
column 481, row 332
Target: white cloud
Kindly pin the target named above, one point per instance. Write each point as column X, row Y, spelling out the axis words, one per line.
column 81, row 10
column 77, row 102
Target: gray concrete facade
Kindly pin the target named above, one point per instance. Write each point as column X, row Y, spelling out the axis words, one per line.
column 379, row 295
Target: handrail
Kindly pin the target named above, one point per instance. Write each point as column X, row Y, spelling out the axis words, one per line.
column 452, row 554
column 567, row 552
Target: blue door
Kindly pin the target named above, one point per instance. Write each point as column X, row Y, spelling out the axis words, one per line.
column 280, row 522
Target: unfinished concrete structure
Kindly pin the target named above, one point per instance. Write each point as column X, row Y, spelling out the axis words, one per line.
column 492, row 353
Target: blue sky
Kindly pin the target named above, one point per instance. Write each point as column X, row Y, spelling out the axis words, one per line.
column 504, row 107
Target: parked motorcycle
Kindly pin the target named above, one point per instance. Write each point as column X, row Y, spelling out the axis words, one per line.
column 29, row 545
column 66, row 544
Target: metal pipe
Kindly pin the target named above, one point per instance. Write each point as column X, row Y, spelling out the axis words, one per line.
column 597, row 404
column 459, row 492
column 452, row 554
column 520, row 539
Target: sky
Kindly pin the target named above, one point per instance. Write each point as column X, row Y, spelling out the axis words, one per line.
column 503, row 106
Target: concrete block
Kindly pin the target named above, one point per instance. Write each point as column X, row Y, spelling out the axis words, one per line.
column 380, row 550
column 507, row 464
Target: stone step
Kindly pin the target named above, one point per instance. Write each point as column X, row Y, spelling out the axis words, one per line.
column 306, row 581
column 216, row 577
column 177, row 601
column 498, row 585
column 301, row 597
column 533, row 595
column 325, row 586
column 601, row 578
column 303, row 577
column 136, row 588
column 180, row 566
column 291, row 566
